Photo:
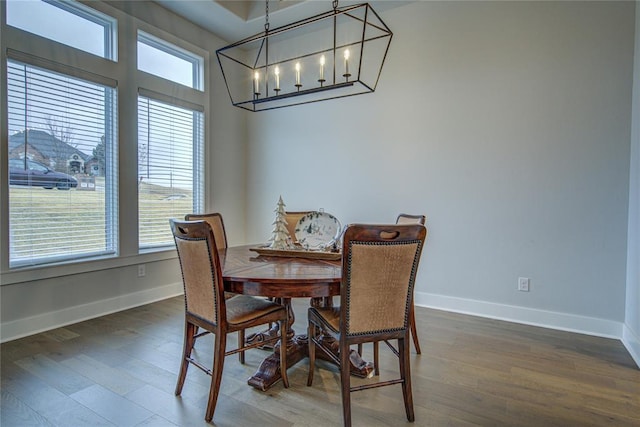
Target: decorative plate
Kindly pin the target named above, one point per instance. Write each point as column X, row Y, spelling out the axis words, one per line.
column 317, row 230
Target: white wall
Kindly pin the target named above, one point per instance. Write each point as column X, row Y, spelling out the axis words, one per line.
column 631, row 335
column 40, row 299
column 508, row 125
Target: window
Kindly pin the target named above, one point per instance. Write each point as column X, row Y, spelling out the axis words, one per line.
column 62, row 157
column 70, row 23
column 162, row 59
column 170, row 168
column 62, row 91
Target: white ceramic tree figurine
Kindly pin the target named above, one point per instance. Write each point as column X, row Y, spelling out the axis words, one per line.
column 280, row 235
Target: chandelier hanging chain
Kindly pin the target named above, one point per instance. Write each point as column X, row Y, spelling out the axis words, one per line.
column 266, row 17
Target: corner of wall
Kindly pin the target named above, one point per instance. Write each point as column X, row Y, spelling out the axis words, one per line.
column 631, row 332
column 632, row 342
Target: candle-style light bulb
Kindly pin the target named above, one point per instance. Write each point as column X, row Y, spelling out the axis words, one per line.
column 277, row 73
column 298, row 74
column 322, row 68
column 256, row 83
column 346, row 63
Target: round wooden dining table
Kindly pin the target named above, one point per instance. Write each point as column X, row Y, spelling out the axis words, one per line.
column 283, row 278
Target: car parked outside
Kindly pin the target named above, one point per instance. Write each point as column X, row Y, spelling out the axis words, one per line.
column 38, row 175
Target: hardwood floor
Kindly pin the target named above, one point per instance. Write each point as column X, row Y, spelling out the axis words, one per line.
column 121, row 370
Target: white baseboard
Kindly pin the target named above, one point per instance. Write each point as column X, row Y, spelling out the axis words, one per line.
column 632, row 342
column 527, row 316
column 548, row 319
column 55, row 319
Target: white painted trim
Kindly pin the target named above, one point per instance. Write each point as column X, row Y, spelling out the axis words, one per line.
column 554, row 320
column 55, row 319
column 632, row 342
column 528, row 316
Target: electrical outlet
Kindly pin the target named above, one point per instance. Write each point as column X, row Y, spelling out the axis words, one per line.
column 142, row 270
column 523, row 284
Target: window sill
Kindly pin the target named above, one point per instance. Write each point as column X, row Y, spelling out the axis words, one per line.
column 33, row 273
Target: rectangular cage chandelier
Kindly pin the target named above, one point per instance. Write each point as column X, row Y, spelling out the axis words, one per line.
column 334, row 54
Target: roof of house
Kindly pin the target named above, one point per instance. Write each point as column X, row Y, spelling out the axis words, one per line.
column 48, row 145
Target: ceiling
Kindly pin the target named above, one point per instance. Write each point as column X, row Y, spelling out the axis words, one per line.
column 234, row 20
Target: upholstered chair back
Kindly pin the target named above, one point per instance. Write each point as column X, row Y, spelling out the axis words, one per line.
column 217, row 225
column 379, row 268
column 201, row 272
column 410, row 219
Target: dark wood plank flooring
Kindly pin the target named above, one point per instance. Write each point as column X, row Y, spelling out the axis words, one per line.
column 121, row 370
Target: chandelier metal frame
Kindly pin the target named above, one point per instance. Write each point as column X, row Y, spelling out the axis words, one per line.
column 253, row 68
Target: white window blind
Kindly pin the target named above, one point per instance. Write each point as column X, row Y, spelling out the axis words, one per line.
column 170, row 168
column 62, row 174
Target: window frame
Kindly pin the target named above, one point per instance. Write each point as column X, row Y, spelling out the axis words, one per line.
column 111, row 170
column 108, row 23
column 196, row 61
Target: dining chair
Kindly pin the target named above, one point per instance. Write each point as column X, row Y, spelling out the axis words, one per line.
column 412, row 219
column 216, row 223
column 208, row 309
column 402, row 219
column 379, row 265
column 220, row 236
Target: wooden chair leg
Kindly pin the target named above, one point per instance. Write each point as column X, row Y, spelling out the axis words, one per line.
column 376, row 357
column 216, row 374
column 283, row 353
column 414, row 332
column 189, row 332
column 360, row 350
column 311, row 333
column 345, row 381
column 241, row 344
column 405, row 373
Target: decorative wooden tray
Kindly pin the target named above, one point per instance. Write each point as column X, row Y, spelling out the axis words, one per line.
column 298, row 253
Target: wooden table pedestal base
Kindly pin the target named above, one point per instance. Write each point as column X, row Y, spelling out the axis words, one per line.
column 268, row 372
